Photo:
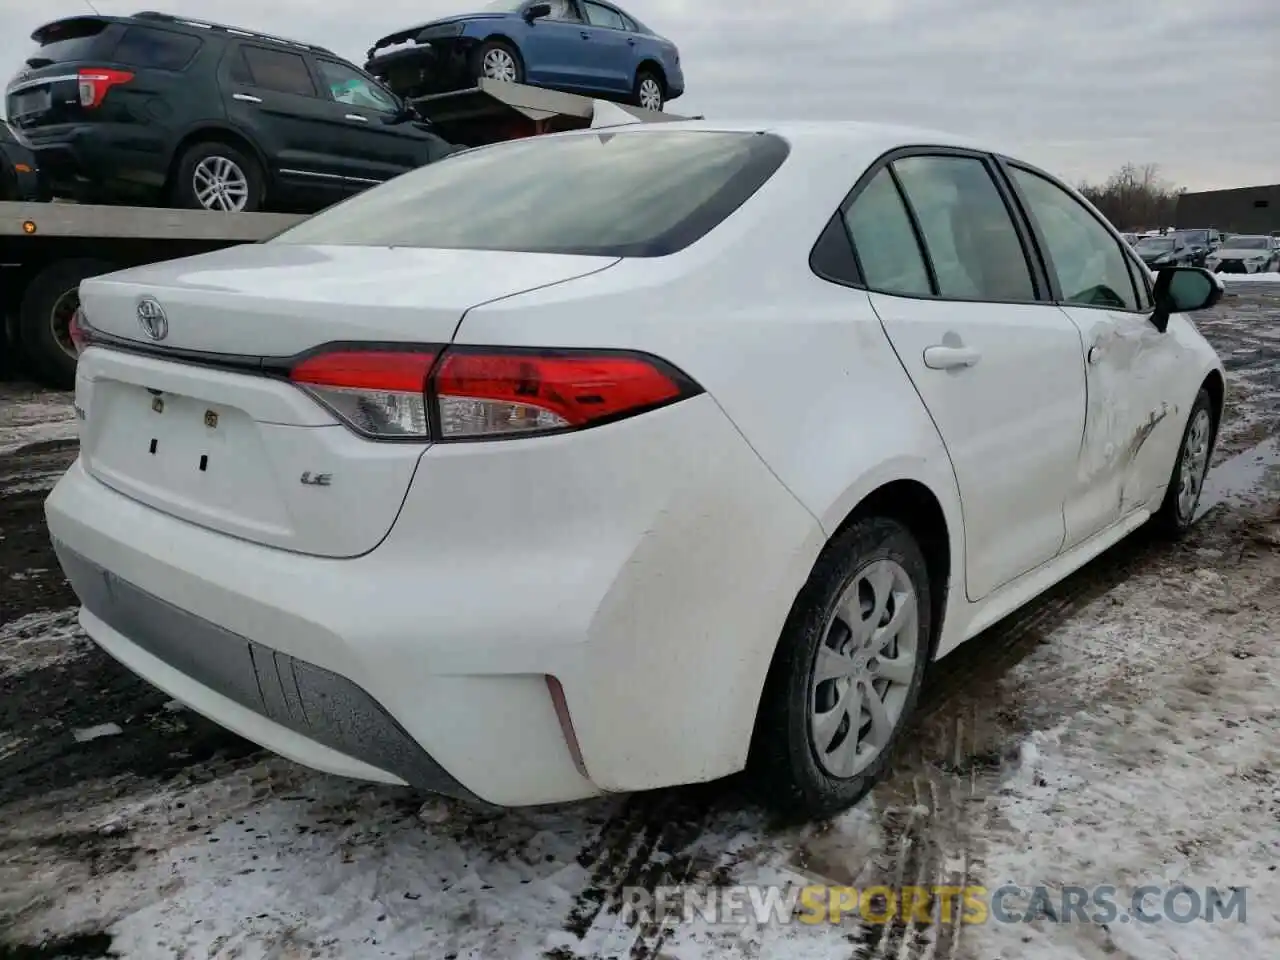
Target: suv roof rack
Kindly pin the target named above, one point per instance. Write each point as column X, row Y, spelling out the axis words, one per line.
column 234, row 31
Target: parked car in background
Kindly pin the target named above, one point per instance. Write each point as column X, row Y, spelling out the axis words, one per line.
column 170, row 111
column 334, row 552
column 1245, row 254
column 19, row 171
column 1202, row 242
column 1167, row 251
column 578, row 46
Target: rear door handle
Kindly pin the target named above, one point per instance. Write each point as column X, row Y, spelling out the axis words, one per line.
column 357, row 118
column 949, row 358
column 585, row 35
column 245, row 98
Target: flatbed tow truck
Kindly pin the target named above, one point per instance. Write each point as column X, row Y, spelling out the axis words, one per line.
column 46, row 249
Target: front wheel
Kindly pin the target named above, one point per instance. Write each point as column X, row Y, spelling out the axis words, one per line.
column 648, row 92
column 847, row 673
column 1178, row 510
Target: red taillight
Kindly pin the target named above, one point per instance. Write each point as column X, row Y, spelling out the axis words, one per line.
column 468, row 393
column 96, row 81
column 78, row 331
column 379, row 393
column 482, row 394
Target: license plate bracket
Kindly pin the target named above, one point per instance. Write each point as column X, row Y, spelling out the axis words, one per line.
column 31, row 101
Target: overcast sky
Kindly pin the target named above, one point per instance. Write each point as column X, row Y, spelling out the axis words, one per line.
column 1078, row 86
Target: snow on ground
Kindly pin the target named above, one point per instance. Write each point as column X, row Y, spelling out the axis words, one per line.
column 1167, row 774
column 29, row 417
column 40, row 639
column 1235, row 278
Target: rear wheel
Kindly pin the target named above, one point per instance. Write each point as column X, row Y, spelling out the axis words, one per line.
column 649, row 92
column 497, row 60
column 220, row 177
column 847, row 672
column 44, row 319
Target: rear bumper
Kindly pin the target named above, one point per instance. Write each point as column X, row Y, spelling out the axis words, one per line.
column 648, row 566
column 86, row 160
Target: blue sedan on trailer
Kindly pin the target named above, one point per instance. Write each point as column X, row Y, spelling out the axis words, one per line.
column 578, row 46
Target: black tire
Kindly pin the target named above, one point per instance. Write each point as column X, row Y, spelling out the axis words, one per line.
column 46, row 305
column 483, row 50
column 648, row 84
column 783, row 766
column 1175, row 516
column 246, row 166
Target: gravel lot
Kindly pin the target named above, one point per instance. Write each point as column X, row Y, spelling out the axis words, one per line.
column 1124, row 729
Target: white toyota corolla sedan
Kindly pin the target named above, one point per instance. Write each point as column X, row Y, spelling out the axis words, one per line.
column 618, row 459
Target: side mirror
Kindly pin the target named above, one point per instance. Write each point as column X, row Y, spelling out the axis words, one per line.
column 536, row 10
column 1183, row 290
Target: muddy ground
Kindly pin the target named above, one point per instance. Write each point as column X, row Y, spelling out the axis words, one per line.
column 101, row 777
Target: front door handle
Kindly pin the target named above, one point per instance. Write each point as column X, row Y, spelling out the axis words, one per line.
column 585, row 35
column 1095, row 353
column 941, row 357
column 245, row 98
column 356, row 117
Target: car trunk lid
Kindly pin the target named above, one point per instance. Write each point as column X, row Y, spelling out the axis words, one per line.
column 203, row 425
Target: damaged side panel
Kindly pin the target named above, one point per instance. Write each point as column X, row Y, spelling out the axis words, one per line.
column 1132, row 420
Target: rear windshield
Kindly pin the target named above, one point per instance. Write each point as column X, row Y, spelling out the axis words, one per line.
column 66, row 41
column 633, row 194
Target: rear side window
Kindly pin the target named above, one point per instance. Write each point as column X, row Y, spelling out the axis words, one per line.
column 157, row 49
column 643, row 193
column 67, row 41
column 885, row 241
column 279, row 71
column 972, row 242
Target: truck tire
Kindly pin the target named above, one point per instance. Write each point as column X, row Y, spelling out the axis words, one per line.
column 243, row 185
column 51, row 298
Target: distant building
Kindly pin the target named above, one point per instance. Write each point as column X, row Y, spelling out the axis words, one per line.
column 1242, row 210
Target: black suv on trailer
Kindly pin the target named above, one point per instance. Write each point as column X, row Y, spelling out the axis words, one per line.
column 158, row 109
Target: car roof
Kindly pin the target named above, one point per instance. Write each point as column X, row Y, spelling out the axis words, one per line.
column 816, row 134
column 189, row 24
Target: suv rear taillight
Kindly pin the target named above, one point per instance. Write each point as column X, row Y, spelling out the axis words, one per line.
column 96, row 81
column 484, row 393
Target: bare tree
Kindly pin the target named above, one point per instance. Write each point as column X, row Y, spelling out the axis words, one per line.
column 1135, row 197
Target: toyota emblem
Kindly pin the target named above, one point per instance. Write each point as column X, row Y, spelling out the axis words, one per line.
column 152, row 319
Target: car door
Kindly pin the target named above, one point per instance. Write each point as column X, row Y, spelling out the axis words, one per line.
column 555, row 49
column 999, row 369
column 1132, row 425
column 271, row 95
column 611, row 48
column 368, row 149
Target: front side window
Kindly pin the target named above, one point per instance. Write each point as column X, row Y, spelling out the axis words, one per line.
column 1092, row 267
column 971, row 240
column 279, row 71
column 643, row 193
column 599, row 15
column 884, row 240
column 351, row 87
